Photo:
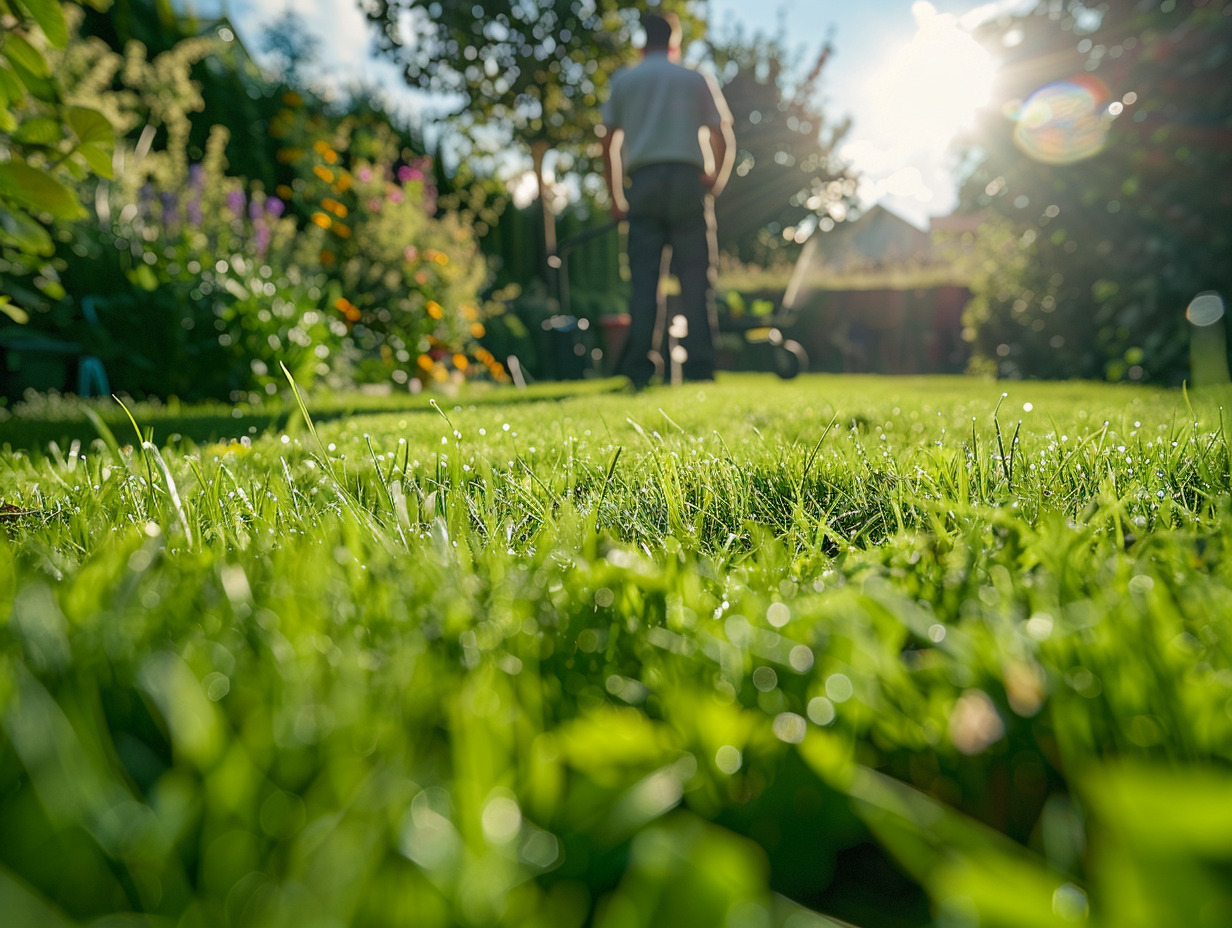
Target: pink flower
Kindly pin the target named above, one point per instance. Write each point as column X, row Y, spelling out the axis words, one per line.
column 365, row 174
column 410, row 253
column 395, row 196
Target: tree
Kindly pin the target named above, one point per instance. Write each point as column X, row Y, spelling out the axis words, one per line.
column 534, row 70
column 787, row 178
column 45, row 142
column 1109, row 181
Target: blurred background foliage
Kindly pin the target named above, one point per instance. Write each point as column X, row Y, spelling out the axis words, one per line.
column 246, row 221
column 1100, row 235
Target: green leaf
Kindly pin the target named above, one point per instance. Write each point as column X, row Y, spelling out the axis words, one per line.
column 38, row 190
column 101, row 6
column 97, row 158
column 50, row 17
column 42, row 130
column 11, row 88
column 24, row 233
column 96, row 137
column 90, row 126
column 25, row 57
column 13, row 311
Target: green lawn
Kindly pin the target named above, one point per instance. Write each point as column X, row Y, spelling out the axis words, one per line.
column 899, row 651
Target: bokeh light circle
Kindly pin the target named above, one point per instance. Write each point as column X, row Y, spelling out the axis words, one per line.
column 1063, row 122
column 1205, row 309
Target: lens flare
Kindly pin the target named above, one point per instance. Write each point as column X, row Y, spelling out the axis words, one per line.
column 1063, row 122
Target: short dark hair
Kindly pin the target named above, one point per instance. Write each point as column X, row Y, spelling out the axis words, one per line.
column 662, row 30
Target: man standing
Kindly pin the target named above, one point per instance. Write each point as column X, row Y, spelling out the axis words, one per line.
column 668, row 129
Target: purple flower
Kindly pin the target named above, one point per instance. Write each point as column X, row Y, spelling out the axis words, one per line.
column 255, row 209
column 194, row 211
column 171, row 206
column 235, row 202
column 275, row 207
column 196, row 176
column 263, row 239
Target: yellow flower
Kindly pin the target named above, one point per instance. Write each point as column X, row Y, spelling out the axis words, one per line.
column 344, row 182
column 331, row 157
column 424, row 362
column 342, row 230
column 284, row 191
column 434, row 310
column 324, row 173
column 477, row 329
column 441, row 258
column 460, row 362
column 338, row 209
column 322, row 220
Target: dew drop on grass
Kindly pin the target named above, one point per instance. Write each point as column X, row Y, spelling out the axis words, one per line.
column 801, row 658
column 821, row 710
column 1039, row 626
column 765, row 679
column 728, row 759
column 790, row 727
column 778, row 614
column 839, row 688
column 936, row 633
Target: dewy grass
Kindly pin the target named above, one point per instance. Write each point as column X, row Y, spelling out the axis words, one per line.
column 902, row 652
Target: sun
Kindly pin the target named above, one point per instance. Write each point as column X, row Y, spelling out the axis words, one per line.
column 930, row 88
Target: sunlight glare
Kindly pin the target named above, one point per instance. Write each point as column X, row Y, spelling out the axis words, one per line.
column 932, row 87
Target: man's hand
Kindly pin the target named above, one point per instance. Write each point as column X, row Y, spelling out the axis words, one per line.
column 613, row 173
column 722, row 155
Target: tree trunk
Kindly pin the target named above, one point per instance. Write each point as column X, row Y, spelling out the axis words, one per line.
column 538, row 149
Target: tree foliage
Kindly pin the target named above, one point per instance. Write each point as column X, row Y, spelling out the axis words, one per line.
column 786, row 177
column 1109, row 180
column 534, row 69
column 46, row 141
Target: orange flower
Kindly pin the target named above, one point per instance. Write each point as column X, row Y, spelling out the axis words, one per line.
column 322, row 220
column 284, row 191
column 441, row 258
column 460, row 361
column 331, row 157
column 338, row 209
column 477, row 329
column 344, row 182
column 434, row 310
column 421, row 278
column 424, row 362
column 342, row 230
column 347, row 308
column 324, row 173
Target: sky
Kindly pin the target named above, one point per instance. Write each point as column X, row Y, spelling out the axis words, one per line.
column 905, row 71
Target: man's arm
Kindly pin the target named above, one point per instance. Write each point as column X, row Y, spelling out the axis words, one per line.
column 613, row 172
column 722, row 155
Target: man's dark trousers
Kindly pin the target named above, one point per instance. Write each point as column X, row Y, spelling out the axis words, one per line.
column 670, row 206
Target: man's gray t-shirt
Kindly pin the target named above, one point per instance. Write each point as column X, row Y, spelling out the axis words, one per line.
column 660, row 106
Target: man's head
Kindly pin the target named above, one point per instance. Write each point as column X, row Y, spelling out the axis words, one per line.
column 662, row 32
